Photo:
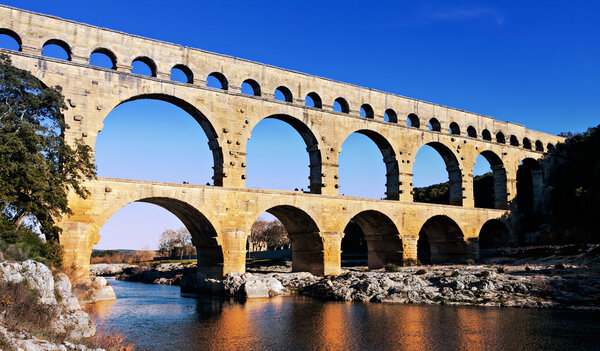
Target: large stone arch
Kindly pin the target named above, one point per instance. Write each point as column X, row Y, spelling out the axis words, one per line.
column 384, row 243
column 499, row 174
column 441, row 240
column 305, row 237
column 203, row 231
column 494, row 234
column 530, row 180
column 203, row 121
column 452, row 167
column 312, row 147
column 392, row 175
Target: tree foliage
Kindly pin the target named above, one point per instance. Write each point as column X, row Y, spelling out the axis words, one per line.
column 176, row 243
column 38, row 168
column 271, row 233
column 574, row 178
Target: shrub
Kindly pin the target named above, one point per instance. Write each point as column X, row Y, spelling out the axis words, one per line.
column 485, row 274
column 500, row 270
column 455, row 274
column 390, row 267
column 110, row 340
column 420, row 272
column 21, row 310
column 470, row 262
column 559, row 266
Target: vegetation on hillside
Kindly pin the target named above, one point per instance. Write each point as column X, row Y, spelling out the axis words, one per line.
column 572, row 173
column 440, row 193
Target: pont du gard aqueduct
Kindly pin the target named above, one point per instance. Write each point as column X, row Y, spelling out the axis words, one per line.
column 220, row 216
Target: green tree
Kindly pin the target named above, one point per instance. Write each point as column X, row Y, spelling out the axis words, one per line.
column 37, row 166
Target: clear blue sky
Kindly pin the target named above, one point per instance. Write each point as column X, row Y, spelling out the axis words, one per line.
column 531, row 62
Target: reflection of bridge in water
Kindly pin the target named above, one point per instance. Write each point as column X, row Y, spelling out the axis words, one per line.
column 219, row 217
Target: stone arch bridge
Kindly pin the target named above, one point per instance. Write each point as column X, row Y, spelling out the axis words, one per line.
column 220, row 216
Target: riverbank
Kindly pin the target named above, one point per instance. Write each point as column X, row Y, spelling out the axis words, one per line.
column 549, row 277
column 39, row 310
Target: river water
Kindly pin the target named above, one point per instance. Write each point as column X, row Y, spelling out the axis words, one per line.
column 156, row 317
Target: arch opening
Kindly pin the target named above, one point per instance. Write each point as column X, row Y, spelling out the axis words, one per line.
column 441, row 241
column 550, row 147
column 341, row 105
column 104, row 58
column 283, row 94
column 489, row 181
column 275, row 146
column 359, row 170
column 539, row 146
column 171, row 226
column 217, row 80
column 430, row 184
column 514, row 141
column 486, row 135
column 127, row 145
column 10, row 40
column 434, row 125
column 57, row 49
column 182, row 73
column 529, row 182
column 251, row 87
column 366, row 111
column 313, row 100
column 390, row 116
column 144, row 66
column 454, row 128
column 374, row 236
column 500, row 138
column 493, row 235
column 413, row 121
column 472, row 132
column 304, row 238
column 526, row 143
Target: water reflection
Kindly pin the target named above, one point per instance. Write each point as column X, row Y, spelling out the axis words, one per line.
column 157, row 318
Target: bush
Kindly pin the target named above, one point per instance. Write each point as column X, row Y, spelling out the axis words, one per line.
column 470, row 262
column 454, row 274
column 420, row 272
column 500, row 270
column 22, row 311
column 408, row 262
column 390, row 267
column 21, row 243
column 485, row 274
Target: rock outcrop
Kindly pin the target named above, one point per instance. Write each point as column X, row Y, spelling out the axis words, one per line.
column 53, row 294
column 108, row 269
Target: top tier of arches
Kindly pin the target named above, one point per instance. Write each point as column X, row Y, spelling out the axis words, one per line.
column 80, row 41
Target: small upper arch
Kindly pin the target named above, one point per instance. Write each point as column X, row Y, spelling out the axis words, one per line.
column 435, row 125
column 341, row 105
column 527, row 143
column 500, row 138
column 486, row 135
column 367, row 111
column 148, row 62
column 283, row 93
column 251, row 87
column 313, row 100
column 550, row 147
column 13, row 35
column 108, row 54
column 514, row 141
column 217, row 80
column 472, row 132
column 60, row 44
column 413, row 121
column 189, row 75
column 454, row 128
column 390, row 116
column 539, row 146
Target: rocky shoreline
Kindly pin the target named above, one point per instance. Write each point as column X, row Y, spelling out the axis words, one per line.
column 558, row 277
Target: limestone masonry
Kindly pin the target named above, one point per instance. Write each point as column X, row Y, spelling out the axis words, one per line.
column 219, row 217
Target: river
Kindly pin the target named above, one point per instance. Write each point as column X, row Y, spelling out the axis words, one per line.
column 156, row 317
